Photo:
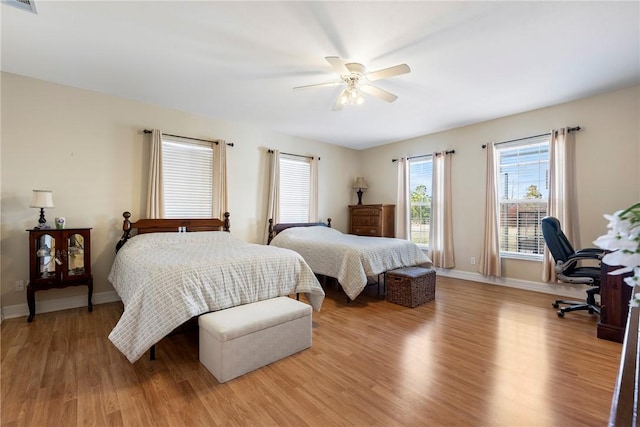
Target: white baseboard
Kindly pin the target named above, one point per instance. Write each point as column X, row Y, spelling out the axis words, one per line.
column 20, row 310
column 571, row 291
column 557, row 289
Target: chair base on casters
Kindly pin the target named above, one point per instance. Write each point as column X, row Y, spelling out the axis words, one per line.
column 590, row 305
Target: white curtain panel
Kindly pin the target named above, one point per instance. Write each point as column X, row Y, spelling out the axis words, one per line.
column 562, row 194
column 490, row 263
column 402, row 202
column 273, row 208
column 313, row 190
column 441, row 228
column 219, row 201
column 155, row 191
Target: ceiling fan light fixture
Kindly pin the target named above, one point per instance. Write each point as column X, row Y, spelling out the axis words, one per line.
column 352, row 74
column 352, row 95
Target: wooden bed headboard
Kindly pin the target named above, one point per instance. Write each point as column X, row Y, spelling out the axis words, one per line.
column 170, row 225
column 277, row 228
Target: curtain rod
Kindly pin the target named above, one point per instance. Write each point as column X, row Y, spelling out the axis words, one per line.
column 573, row 129
column 230, row 144
column 295, row 155
column 425, row 155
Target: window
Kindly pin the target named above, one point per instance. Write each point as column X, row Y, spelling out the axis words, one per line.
column 420, row 172
column 187, row 169
column 523, row 196
column 295, row 188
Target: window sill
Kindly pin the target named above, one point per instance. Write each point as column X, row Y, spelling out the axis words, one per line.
column 524, row 257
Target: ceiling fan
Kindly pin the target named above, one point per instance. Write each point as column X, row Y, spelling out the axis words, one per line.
column 358, row 80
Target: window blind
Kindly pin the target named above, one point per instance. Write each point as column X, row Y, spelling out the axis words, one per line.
column 295, row 185
column 187, row 169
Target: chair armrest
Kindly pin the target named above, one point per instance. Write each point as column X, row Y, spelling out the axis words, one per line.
column 591, row 251
column 587, row 255
column 561, row 267
column 571, row 262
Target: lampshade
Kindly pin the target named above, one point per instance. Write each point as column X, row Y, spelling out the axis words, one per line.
column 359, row 183
column 42, row 199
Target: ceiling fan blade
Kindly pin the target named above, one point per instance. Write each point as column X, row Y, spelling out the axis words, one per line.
column 337, row 106
column 378, row 93
column 337, row 64
column 328, row 84
column 388, row 72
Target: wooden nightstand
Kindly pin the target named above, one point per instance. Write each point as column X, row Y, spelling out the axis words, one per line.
column 58, row 258
column 372, row 220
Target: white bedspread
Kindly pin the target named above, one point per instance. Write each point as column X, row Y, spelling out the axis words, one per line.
column 164, row 279
column 347, row 257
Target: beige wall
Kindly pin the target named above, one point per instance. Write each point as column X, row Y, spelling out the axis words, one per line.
column 87, row 147
column 608, row 178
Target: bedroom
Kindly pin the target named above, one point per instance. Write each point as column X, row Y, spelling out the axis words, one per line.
column 87, row 147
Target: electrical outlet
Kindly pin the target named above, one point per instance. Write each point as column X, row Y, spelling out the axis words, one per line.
column 473, row 260
column 19, row 285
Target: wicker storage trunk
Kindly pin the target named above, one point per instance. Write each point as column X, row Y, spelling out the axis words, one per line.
column 411, row 286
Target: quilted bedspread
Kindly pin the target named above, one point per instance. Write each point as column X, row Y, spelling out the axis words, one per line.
column 164, row 279
column 349, row 258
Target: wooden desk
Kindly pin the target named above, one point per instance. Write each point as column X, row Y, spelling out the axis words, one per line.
column 614, row 304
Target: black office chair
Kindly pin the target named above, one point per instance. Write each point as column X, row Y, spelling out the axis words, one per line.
column 569, row 269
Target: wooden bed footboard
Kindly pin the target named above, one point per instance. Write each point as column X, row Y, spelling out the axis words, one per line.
column 274, row 229
column 160, row 225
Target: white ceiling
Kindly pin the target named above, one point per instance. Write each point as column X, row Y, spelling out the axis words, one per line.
column 470, row 61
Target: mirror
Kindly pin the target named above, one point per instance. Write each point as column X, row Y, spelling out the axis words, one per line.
column 45, row 253
column 75, row 251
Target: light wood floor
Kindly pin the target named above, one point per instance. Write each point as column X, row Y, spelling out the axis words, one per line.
column 479, row 355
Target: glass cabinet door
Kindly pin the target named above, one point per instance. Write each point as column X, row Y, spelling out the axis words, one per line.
column 46, row 256
column 75, row 255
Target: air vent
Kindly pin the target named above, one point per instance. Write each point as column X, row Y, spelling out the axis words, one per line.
column 28, row 5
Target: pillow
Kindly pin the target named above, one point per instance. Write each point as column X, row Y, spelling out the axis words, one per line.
column 150, row 240
column 314, row 232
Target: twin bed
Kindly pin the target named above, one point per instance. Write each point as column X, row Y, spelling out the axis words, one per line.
column 166, row 275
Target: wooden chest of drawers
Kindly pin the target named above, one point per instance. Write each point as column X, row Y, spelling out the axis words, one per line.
column 372, row 220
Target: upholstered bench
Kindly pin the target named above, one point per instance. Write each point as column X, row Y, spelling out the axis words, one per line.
column 246, row 337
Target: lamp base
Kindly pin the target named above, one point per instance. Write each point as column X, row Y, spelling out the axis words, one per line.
column 359, row 193
column 42, row 222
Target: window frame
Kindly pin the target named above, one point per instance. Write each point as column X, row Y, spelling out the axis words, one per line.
column 429, row 193
column 188, row 171
column 542, row 209
column 303, row 163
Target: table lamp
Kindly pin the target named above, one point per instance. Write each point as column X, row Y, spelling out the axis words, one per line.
column 42, row 199
column 360, row 185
